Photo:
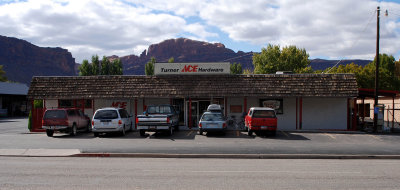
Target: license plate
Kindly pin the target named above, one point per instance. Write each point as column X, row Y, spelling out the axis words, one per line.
column 152, row 127
column 106, row 123
column 264, row 127
column 212, row 125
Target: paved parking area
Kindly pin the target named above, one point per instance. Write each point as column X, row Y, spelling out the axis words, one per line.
column 15, row 135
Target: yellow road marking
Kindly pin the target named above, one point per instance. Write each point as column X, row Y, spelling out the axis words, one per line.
column 329, row 135
column 189, row 133
column 284, row 133
column 375, row 137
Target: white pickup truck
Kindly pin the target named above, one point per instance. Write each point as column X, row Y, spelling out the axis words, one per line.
column 158, row 118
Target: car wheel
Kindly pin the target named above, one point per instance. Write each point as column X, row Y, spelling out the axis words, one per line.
column 96, row 134
column 200, row 132
column 130, row 127
column 176, row 127
column 123, row 132
column 142, row 132
column 171, row 131
column 249, row 132
column 49, row 133
column 88, row 127
column 73, row 130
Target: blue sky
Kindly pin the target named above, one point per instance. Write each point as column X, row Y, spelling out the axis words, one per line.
column 325, row 28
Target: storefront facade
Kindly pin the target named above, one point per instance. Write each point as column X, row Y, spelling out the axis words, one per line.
column 302, row 101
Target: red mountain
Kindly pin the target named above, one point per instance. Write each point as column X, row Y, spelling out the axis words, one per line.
column 184, row 50
column 21, row 60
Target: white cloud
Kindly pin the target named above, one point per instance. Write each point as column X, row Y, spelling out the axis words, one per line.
column 325, row 28
column 88, row 27
column 199, row 30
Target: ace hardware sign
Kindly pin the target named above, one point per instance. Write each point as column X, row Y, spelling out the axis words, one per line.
column 191, row 68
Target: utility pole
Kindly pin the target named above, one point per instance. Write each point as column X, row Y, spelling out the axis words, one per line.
column 376, row 72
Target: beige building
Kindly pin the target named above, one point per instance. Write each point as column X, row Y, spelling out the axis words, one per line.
column 389, row 99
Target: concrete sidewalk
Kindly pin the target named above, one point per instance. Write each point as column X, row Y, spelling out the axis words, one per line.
column 39, row 152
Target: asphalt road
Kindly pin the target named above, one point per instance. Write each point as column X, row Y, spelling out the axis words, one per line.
column 129, row 173
column 15, row 135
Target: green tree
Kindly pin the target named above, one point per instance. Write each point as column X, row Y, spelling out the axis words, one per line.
column 103, row 67
column 149, row 67
column 272, row 59
column 106, row 66
column 85, row 69
column 365, row 76
column 96, row 65
column 248, row 72
column 397, row 65
column 171, row 60
column 3, row 77
column 236, row 68
column 117, row 67
column 36, row 104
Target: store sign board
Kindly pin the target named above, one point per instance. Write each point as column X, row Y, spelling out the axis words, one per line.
column 192, row 68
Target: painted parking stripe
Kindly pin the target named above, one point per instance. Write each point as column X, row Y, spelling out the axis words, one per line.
column 189, row 133
column 329, row 135
column 284, row 133
column 375, row 137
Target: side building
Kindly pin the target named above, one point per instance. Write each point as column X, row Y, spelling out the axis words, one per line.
column 13, row 100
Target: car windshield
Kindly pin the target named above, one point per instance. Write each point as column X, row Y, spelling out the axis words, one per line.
column 106, row 114
column 54, row 114
column 159, row 110
column 212, row 117
column 264, row 114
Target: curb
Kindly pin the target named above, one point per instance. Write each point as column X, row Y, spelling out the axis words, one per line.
column 236, row 156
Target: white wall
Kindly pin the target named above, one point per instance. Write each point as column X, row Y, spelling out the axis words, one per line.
column 51, row 104
column 122, row 103
column 234, row 101
column 325, row 113
column 287, row 120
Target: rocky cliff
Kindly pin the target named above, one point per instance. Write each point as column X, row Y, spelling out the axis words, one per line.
column 21, row 60
column 184, row 50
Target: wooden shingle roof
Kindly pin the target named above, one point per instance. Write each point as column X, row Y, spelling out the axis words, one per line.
column 272, row 85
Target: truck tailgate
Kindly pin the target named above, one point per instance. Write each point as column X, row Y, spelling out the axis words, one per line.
column 152, row 119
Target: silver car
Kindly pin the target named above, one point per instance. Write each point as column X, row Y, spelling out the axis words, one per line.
column 212, row 121
column 108, row 120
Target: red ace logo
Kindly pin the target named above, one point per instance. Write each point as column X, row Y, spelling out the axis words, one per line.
column 119, row 105
column 190, row 69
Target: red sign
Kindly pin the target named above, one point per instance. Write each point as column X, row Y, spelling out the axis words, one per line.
column 119, row 105
column 190, row 68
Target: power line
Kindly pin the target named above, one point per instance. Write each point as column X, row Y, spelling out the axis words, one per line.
column 392, row 13
column 238, row 57
column 355, row 42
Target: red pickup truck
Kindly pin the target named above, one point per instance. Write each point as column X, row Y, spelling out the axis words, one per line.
column 68, row 120
column 261, row 121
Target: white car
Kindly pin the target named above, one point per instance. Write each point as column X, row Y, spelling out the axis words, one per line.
column 108, row 120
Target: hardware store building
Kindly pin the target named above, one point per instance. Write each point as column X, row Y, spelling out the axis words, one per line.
column 302, row 101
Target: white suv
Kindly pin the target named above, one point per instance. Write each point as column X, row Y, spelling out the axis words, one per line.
column 108, row 120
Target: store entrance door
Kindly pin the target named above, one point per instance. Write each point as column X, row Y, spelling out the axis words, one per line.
column 198, row 107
